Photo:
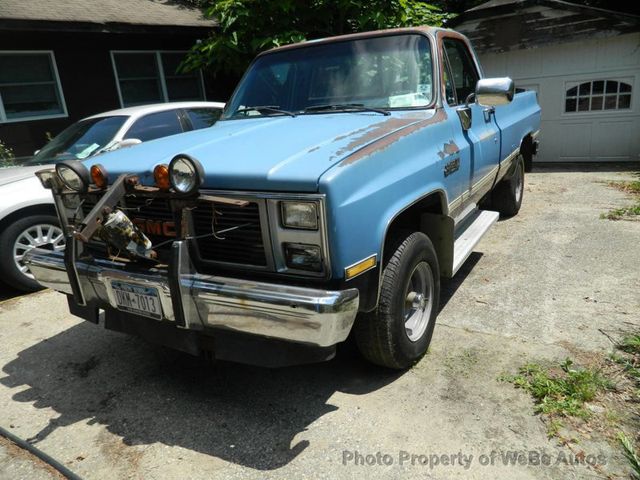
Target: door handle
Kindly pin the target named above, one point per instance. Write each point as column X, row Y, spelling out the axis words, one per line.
column 488, row 111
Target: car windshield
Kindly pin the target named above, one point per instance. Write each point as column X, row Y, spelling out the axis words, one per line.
column 80, row 140
column 387, row 72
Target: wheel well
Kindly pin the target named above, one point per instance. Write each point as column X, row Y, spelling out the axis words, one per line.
column 41, row 209
column 410, row 219
column 526, row 149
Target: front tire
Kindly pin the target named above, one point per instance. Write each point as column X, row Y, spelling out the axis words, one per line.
column 17, row 238
column 506, row 198
column 398, row 333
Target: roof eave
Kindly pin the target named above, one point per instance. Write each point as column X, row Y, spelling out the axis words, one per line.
column 9, row 24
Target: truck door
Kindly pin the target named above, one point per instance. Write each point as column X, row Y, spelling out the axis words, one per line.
column 483, row 138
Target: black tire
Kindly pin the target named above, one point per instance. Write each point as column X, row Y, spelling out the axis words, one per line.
column 9, row 270
column 382, row 336
column 506, row 198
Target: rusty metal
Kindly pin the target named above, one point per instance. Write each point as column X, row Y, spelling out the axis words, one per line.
column 397, row 131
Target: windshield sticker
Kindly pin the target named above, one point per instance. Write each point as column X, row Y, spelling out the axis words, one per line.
column 87, row 151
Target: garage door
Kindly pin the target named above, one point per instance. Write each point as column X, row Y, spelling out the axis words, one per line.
column 588, row 92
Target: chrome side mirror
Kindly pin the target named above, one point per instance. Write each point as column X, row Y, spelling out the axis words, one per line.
column 492, row 92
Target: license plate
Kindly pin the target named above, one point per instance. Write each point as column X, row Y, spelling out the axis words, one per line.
column 137, row 299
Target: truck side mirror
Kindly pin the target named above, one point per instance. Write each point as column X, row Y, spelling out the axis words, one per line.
column 492, row 92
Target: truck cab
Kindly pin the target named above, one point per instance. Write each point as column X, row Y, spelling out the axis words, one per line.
column 345, row 178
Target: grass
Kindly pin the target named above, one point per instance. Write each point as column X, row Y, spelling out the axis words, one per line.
column 561, row 391
column 631, row 344
column 629, row 212
column 630, row 454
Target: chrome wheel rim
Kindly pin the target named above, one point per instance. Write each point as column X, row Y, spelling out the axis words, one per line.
column 42, row 236
column 418, row 301
column 519, row 183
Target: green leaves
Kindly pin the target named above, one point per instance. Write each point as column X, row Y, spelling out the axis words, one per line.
column 248, row 27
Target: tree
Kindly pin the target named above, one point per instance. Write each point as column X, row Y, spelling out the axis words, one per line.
column 247, row 27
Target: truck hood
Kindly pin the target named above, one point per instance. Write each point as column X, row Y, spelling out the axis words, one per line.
column 13, row 174
column 266, row 153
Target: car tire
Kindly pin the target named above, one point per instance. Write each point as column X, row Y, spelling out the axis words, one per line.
column 41, row 231
column 398, row 333
column 506, row 198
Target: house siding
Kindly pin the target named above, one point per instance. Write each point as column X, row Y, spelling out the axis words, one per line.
column 86, row 76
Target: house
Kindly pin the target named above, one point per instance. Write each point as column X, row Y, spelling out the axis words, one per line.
column 584, row 62
column 62, row 60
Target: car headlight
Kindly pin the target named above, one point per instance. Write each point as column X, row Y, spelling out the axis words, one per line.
column 74, row 175
column 303, row 257
column 302, row 215
column 185, row 174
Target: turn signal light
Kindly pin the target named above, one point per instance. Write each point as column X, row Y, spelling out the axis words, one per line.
column 360, row 267
column 99, row 176
column 161, row 176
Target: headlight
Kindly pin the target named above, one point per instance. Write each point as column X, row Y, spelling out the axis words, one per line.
column 186, row 174
column 302, row 215
column 74, row 175
column 303, row 257
column 47, row 178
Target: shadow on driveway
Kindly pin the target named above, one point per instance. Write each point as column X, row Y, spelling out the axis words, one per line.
column 146, row 394
column 7, row 293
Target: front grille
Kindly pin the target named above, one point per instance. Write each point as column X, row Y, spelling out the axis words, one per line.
column 139, row 209
column 243, row 245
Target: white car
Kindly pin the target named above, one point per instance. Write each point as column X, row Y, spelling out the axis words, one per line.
column 27, row 213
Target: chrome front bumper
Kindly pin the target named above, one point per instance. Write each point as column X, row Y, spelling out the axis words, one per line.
column 203, row 302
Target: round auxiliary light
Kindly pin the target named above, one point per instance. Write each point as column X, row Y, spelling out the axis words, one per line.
column 99, row 176
column 74, row 175
column 161, row 176
column 185, row 174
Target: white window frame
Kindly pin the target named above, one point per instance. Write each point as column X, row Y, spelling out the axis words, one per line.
column 56, row 78
column 161, row 74
column 611, row 112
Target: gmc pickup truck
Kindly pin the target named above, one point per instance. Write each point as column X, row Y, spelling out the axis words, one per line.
column 346, row 177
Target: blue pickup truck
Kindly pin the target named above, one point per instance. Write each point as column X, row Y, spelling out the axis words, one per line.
column 346, row 177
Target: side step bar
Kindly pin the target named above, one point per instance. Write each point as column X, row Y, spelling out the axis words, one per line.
column 468, row 234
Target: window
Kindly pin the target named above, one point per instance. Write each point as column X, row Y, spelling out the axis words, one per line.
column 393, row 71
column 598, row 95
column 153, row 77
column 29, row 87
column 155, row 125
column 80, row 140
column 464, row 73
column 203, row 117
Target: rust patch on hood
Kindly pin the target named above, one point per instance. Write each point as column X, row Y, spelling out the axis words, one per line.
column 450, row 148
column 384, row 134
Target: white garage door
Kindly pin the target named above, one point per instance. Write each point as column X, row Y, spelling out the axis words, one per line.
column 589, row 94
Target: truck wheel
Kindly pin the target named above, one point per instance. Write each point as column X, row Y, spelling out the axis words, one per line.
column 17, row 238
column 398, row 333
column 506, row 198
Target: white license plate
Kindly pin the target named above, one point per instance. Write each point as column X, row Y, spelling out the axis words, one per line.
column 137, row 299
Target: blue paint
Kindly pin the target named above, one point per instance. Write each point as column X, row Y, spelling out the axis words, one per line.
column 369, row 166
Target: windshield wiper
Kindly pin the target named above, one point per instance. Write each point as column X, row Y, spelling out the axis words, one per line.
column 358, row 107
column 265, row 108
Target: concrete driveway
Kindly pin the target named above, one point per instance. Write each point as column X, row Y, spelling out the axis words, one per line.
column 541, row 286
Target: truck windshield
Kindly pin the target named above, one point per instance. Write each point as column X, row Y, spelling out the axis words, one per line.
column 80, row 140
column 387, row 72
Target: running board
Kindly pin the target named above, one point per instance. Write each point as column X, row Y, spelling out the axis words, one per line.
column 469, row 233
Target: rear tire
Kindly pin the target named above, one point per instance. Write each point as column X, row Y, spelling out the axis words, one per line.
column 17, row 238
column 506, row 198
column 398, row 333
